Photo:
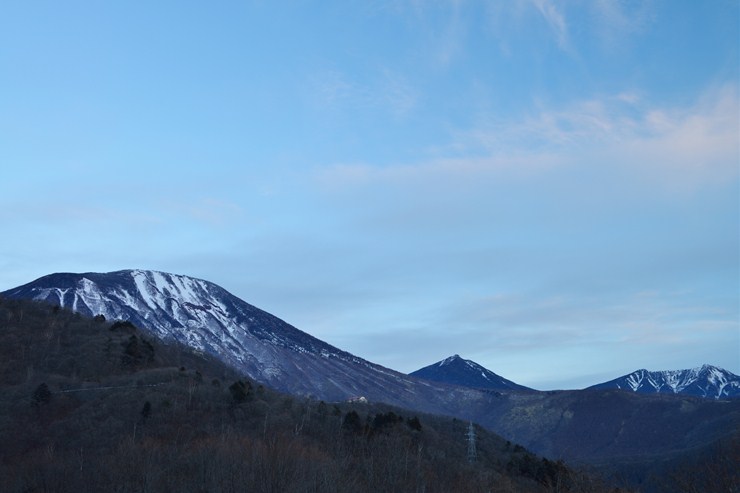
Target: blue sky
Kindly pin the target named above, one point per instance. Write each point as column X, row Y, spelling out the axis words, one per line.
column 548, row 188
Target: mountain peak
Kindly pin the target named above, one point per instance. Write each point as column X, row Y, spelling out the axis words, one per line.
column 704, row 381
column 449, row 360
column 455, row 370
column 201, row 315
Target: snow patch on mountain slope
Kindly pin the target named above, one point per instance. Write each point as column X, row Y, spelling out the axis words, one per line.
column 704, row 381
column 211, row 320
column 449, row 360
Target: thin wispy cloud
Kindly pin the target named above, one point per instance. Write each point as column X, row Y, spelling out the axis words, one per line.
column 451, row 43
column 692, row 146
column 615, row 23
column 555, row 20
column 689, row 148
column 388, row 91
column 510, row 21
column 332, row 87
column 395, row 93
column 208, row 211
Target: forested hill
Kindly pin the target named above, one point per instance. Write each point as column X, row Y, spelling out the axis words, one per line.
column 93, row 405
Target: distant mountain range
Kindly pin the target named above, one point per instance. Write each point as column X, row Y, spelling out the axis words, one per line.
column 463, row 372
column 600, row 424
column 706, row 381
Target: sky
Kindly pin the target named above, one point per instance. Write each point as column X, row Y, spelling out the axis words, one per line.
column 549, row 188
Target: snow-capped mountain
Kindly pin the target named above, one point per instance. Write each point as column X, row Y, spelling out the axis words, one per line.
column 706, row 381
column 458, row 371
column 204, row 316
column 208, row 318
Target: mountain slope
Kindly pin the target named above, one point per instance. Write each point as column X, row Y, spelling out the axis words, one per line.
column 86, row 418
column 457, row 371
column 212, row 320
column 592, row 426
column 706, row 381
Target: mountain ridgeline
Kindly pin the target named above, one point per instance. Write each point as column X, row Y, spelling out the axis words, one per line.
column 616, row 427
column 208, row 318
column 707, row 381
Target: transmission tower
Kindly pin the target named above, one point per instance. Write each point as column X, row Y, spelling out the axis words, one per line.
column 472, row 454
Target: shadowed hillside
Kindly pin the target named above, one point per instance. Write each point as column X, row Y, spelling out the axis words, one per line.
column 594, row 427
column 93, row 405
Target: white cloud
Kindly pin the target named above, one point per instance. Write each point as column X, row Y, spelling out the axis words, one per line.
column 451, row 38
column 698, row 142
column 613, row 22
column 689, row 147
column 443, row 172
column 508, row 19
column 676, row 148
column 555, row 19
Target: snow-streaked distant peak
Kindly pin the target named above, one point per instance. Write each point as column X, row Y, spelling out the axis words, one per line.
column 458, row 371
column 704, row 381
column 449, row 360
column 634, row 380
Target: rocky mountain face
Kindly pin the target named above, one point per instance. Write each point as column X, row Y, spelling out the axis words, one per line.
column 465, row 373
column 707, row 381
column 265, row 348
